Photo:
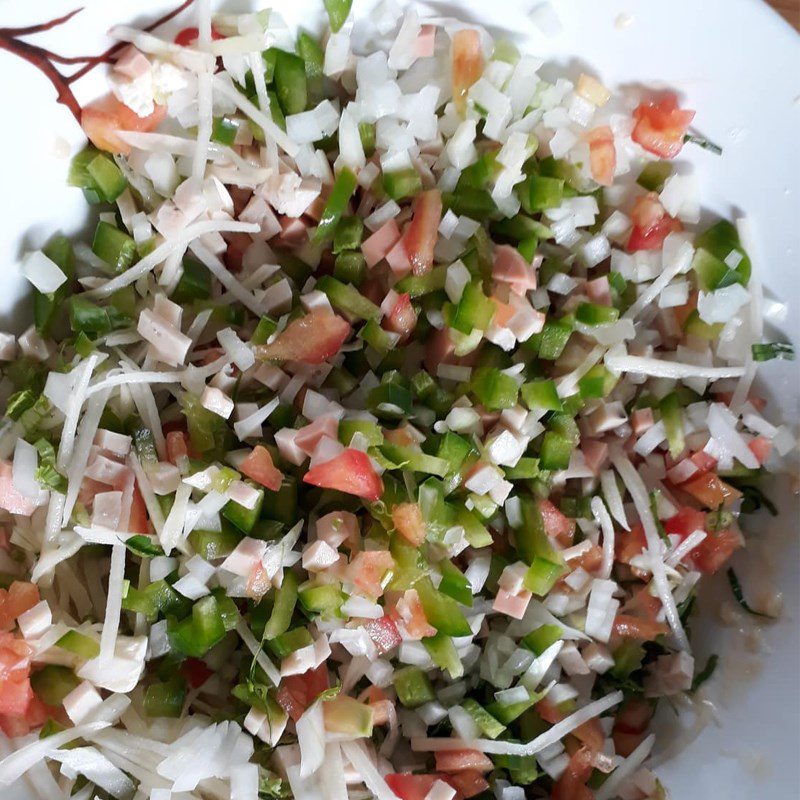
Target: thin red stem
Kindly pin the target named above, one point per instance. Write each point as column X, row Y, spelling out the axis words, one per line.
column 44, row 60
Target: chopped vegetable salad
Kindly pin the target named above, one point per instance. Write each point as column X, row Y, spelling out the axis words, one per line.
column 376, row 444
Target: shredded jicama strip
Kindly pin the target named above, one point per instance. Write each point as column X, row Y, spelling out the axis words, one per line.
column 264, row 122
column 660, row 368
column 77, row 396
column 625, row 770
column 641, row 500
column 608, row 483
column 544, row 740
column 356, row 753
column 134, row 377
column 160, row 253
column 254, row 646
column 604, row 520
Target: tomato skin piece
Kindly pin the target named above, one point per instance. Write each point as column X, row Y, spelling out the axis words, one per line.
column 468, row 64
column 102, row 119
column 350, row 472
column 138, row 521
column 651, row 224
column 178, row 446
column 402, row 319
column 422, row 233
column 259, row 466
column 407, row 519
column 602, row 154
column 20, row 597
column 630, row 725
column 661, row 126
column 312, row 339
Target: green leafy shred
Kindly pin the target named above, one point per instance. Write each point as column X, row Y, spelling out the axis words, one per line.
column 736, row 588
column 144, row 546
column 705, row 674
column 47, row 476
column 773, row 350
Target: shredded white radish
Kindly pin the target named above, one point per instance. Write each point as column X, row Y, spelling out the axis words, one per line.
column 641, row 500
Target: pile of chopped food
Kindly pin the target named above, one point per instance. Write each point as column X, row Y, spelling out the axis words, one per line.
column 378, row 442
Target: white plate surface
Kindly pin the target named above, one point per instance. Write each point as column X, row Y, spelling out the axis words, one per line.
column 738, row 65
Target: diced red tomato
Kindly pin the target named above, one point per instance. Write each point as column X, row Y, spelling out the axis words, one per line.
column 556, row 525
column 628, row 545
column 410, row 787
column 651, row 224
column 407, row 519
column 467, row 64
column 259, row 466
column 685, row 522
column 311, row 339
column 20, row 597
column 138, row 521
column 297, row 692
column 196, row 672
column 422, row 233
column 602, row 154
column 711, row 491
column 402, row 319
column 15, row 686
column 102, row 119
column 384, row 634
column 35, row 715
column 661, row 126
column 350, row 472
column 630, row 725
column 468, row 783
column 760, row 447
column 638, row 618
column 368, row 569
column 460, row 760
column 715, row 550
column 188, row 36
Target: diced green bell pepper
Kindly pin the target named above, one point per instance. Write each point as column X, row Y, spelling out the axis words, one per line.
column 165, row 699
column 443, row 653
column 545, row 193
column 487, row 724
column 654, row 175
column 244, row 518
column 80, row 644
column 285, row 644
column 210, row 545
column 541, row 638
column 454, row 583
column 596, row 314
column 343, row 188
column 442, row 611
column 52, row 683
column 113, row 246
column 194, row 283
column 420, row 285
column 197, row 634
column 285, row 600
column 47, row 306
column 493, row 388
column 348, row 299
column 290, row 81
column 402, row 184
column 338, row 11
column 282, row 505
column 413, row 687
column 542, row 575
column 325, row 599
column 348, row 236
column 473, row 311
column 541, row 394
column 672, row 418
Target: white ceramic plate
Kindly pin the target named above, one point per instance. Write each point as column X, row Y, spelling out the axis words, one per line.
column 735, row 62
